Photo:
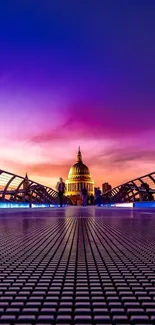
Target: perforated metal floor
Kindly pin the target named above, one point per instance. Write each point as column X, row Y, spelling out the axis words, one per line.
column 75, row 269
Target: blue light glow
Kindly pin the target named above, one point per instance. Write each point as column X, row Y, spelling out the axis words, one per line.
column 13, row 205
column 118, row 205
column 144, row 204
column 34, row 205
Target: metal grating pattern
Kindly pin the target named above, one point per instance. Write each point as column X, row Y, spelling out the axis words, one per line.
column 138, row 189
column 74, row 270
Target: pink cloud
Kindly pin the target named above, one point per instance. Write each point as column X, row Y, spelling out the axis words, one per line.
column 112, row 143
column 96, row 120
column 114, row 166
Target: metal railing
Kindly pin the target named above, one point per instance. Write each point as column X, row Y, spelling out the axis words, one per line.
column 15, row 188
column 138, row 189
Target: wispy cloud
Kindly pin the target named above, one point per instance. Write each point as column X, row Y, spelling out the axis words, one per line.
column 114, row 166
column 112, row 144
column 98, row 120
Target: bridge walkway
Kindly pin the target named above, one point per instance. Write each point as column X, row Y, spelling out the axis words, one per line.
column 77, row 266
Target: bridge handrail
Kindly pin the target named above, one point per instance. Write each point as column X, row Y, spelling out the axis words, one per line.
column 33, row 185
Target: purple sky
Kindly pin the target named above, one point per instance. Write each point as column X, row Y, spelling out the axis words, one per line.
column 77, row 74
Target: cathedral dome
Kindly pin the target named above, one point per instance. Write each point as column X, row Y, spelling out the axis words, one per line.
column 79, row 170
column 79, row 177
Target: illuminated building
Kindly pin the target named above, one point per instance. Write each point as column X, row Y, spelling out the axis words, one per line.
column 78, row 178
column 106, row 187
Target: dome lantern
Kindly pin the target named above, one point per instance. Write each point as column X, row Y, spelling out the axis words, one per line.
column 79, row 156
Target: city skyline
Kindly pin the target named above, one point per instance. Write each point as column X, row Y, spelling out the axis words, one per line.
column 75, row 75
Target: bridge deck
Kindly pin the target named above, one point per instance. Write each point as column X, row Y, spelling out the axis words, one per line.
column 77, row 266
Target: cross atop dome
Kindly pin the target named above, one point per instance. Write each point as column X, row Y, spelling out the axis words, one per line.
column 79, row 156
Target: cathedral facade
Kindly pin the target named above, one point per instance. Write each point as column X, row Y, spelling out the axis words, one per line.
column 79, row 177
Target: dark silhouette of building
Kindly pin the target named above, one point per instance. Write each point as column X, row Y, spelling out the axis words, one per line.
column 26, row 182
column 139, row 189
column 95, row 190
column 106, row 187
column 26, row 185
column 15, row 188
